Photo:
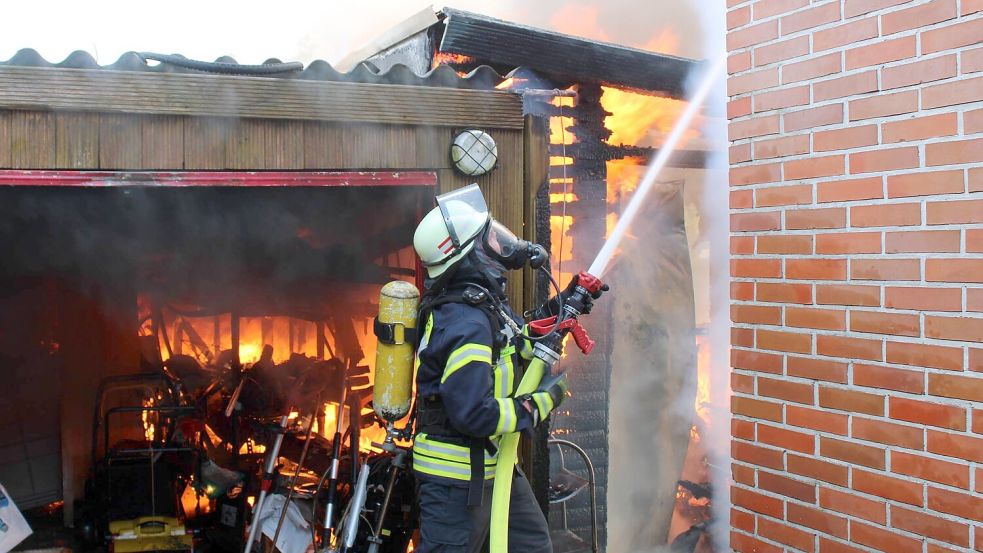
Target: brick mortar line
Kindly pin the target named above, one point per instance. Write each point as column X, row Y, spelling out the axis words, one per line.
column 852, row 308
column 879, row 122
column 847, row 173
column 937, row 198
column 886, row 471
column 875, row 337
column 814, row 54
column 905, row 256
column 871, row 282
column 919, row 143
column 861, row 441
column 847, row 20
column 888, row 392
column 874, row 13
column 886, row 525
column 847, row 230
column 853, row 97
column 843, row 73
column 886, row 418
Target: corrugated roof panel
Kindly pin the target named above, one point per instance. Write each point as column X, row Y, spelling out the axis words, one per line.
column 481, row 78
column 562, row 56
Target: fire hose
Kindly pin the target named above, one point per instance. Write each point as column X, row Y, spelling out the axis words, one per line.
column 546, row 352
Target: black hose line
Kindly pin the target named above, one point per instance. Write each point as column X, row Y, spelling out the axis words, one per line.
column 222, row 67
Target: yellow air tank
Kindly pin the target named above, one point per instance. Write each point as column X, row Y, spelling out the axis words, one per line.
column 396, row 329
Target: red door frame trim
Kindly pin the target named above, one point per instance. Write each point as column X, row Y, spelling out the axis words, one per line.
column 18, row 177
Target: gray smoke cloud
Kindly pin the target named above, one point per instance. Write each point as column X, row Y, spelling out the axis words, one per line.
column 653, row 372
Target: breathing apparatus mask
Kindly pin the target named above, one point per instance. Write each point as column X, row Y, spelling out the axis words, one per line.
column 471, row 229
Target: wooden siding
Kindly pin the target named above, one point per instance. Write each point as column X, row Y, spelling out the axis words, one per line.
column 117, row 141
column 80, row 90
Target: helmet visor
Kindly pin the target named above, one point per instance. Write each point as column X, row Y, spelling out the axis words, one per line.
column 470, row 195
column 500, row 240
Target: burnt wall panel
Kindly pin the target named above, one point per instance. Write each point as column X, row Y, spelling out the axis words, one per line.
column 584, row 419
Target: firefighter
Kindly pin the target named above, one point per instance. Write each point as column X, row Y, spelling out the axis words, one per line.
column 470, row 347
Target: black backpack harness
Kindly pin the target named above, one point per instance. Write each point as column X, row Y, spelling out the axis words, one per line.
column 431, row 415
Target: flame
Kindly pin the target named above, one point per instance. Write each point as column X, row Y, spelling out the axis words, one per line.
column 449, row 58
column 560, row 226
column 204, row 337
column 666, row 42
column 579, row 20
column 702, row 403
column 250, row 444
column 147, row 418
column 192, row 504
column 563, row 197
column 506, row 84
column 511, row 82
column 249, row 353
column 641, row 119
column 585, row 21
column 560, row 124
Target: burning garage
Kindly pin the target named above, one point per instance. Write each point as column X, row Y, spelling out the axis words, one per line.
column 194, row 252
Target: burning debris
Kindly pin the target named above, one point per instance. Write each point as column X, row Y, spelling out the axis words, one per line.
column 257, row 318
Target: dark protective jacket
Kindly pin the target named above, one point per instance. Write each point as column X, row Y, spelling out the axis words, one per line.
column 456, row 373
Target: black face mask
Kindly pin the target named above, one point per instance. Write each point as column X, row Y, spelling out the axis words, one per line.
column 499, row 244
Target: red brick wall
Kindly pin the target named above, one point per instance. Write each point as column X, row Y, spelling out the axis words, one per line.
column 856, row 198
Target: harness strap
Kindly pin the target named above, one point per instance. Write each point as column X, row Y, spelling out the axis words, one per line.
column 476, row 486
column 432, row 420
column 467, row 297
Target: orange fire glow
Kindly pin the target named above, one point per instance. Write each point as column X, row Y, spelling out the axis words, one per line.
column 702, row 403
column 640, row 119
column 448, row 58
column 665, row 42
column 559, row 125
column 511, row 82
column 192, row 504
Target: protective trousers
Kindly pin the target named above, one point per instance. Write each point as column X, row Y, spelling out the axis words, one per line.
column 448, row 525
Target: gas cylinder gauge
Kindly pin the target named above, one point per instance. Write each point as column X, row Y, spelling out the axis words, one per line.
column 474, row 152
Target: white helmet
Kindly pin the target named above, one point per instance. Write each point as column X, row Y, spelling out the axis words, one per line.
column 449, row 231
column 459, row 221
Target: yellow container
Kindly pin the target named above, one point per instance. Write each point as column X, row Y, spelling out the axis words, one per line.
column 150, row 534
column 393, row 386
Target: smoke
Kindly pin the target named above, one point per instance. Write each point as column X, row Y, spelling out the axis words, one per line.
column 715, row 205
column 653, row 366
column 670, row 284
column 272, row 250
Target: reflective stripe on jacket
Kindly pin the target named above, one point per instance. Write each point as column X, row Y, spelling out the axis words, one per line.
column 455, row 364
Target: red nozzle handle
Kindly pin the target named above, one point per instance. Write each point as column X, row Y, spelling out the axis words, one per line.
column 544, row 326
column 584, row 341
column 590, row 282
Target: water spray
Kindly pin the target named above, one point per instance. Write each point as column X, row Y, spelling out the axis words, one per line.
column 547, row 351
column 603, row 259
